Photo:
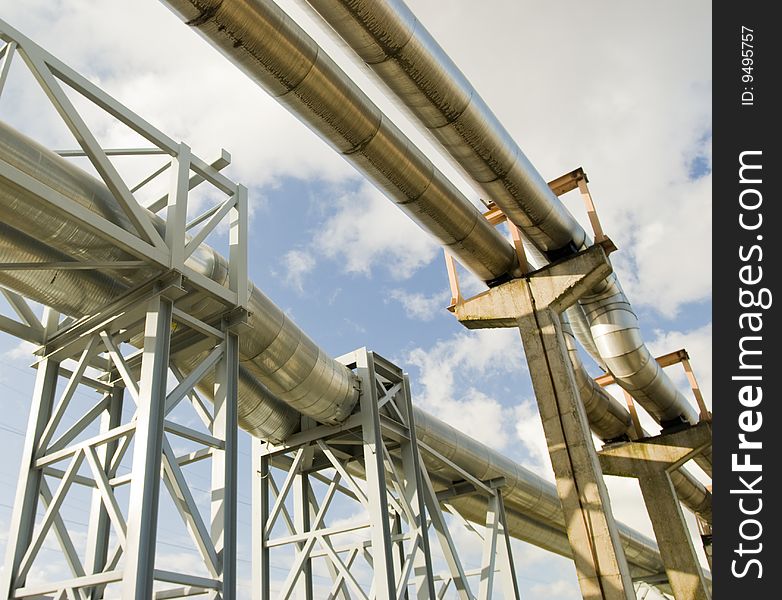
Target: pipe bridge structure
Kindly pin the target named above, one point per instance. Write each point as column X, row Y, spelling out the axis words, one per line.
column 183, row 351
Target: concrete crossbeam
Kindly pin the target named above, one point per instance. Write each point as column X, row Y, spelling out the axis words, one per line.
column 533, row 304
column 652, row 460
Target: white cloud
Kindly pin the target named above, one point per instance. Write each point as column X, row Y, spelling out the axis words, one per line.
column 448, row 371
column 420, row 306
column 529, row 431
column 297, row 264
column 562, row 589
column 23, row 351
column 174, row 80
column 367, row 231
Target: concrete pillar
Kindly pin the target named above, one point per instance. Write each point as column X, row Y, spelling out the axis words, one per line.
column 533, row 304
column 705, row 539
column 651, row 460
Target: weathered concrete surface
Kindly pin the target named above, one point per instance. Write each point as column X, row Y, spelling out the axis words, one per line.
column 533, row 304
column 652, row 460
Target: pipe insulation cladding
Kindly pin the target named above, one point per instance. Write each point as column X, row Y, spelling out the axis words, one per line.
column 283, row 372
column 275, row 52
column 258, row 37
column 396, row 46
column 31, row 229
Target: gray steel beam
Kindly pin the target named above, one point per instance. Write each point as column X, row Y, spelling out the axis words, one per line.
column 382, row 550
column 224, row 464
column 139, row 572
column 100, row 524
column 20, row 529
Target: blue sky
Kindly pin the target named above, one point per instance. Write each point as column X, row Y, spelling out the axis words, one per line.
column 611, row 91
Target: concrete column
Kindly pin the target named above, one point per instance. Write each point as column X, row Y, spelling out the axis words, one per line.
column 593, row 534
column 533, row 305
column 651, row 460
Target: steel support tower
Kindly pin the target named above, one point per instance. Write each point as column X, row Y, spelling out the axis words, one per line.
column 361, row 502
column 373, row 463
column 127, row 352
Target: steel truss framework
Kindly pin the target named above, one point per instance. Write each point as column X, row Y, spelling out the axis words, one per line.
column 126, row 352
column 296, row 484
column 121, row 540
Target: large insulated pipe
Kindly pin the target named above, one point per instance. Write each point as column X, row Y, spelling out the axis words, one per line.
column 31, row 232
column 277, row 355
column 279, row 55
column 258, row 36
column 276, row 53
column 607, row 418
column 398, row 48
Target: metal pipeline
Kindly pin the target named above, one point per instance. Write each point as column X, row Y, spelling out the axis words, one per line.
column 278, row 357
column 607, row 418
column 276, row 53
column 397, row 47
column 31, row 232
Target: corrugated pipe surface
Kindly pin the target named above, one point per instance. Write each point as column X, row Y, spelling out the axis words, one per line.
column 31, row 232
column 399, row 49
column 277, row 355
column 275, row 52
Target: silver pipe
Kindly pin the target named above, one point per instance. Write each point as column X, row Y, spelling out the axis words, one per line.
column 32, row 233
column 260, row 38
column 582, row 331
column 276, row 53
column 398, row 48
column 607, row 418
column 277, row 357
column 524, row 493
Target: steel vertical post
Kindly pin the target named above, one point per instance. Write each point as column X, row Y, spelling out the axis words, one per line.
column 139, row 569
column 411, row 463
column 260, row 515
column 301, row 516
column 224, row 463
column 20, row 530
column 382, row 548
column 100, row 525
